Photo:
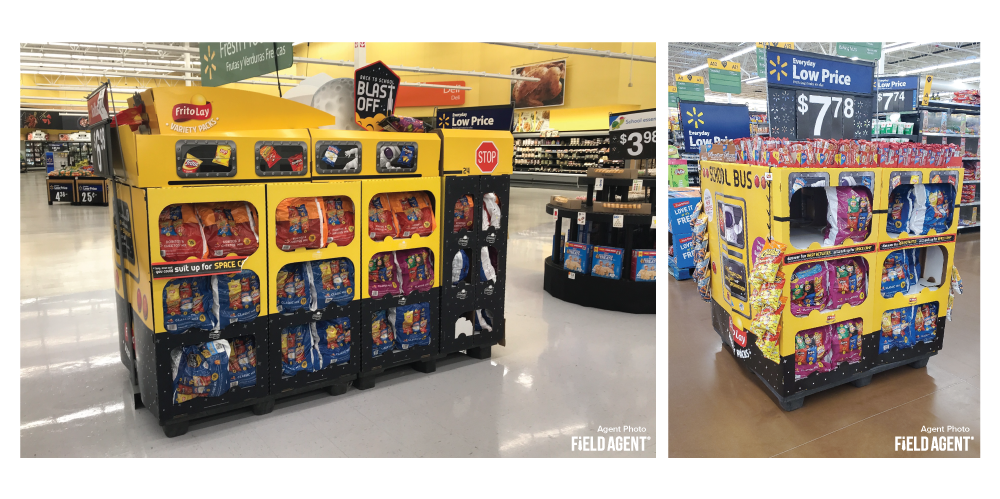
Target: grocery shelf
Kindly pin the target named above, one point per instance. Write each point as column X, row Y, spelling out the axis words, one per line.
column 935, row 134
column 584, row 133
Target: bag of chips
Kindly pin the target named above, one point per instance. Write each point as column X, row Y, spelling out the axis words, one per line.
column 187, row 303
column 382, row 336
column 270, row 156
column 334, row 340
column 895, row 274
column 330, row 281
column 298, row 350
column 339, row 215
column 848, row 281
column 242, row 363
column 459, row 267
column 222, row 155
column 897, row 329
column 491, row 211
column 382, row 275
column 847, row 341
column 410, row 323
column 181, row 234
column 381, row 221
column 200, row 370
column 230, row 228
column 236, row 297
column 809, row 288
column 812, row 351
column 849, row 215
column 299, row 224
column 897, row 220
column 293, row 288
column 765, row 269
column 414, row 213
column 464, row 214
column 296, row 162
column 925, row 322
column 939, row 203
column 483, row 321
column 487, row 265
column 416, row 270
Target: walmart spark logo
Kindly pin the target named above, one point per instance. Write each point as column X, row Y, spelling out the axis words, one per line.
column 209, row 66
column 444, row 121
column 695, row 117
column 777, row 68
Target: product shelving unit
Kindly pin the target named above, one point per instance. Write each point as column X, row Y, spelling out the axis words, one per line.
column 554, row 160
column 636, row 233
column 746, row 230
column 150, row 174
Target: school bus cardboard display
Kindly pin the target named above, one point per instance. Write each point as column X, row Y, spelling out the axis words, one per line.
column 892, row 178
column 470, row 152
column 426, row 145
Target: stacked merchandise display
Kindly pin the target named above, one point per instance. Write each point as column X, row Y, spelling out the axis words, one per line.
column 245, row 268
column 566, row 153
column 680, row 212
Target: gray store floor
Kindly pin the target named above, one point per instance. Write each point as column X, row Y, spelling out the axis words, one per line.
column 561, row 374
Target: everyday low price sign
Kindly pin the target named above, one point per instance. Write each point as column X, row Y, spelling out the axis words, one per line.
column 633, row 135
column 897, row 94
column 805, row 70
column 375, row 88
column 709, row 122
column 229, row 62
column 477, row 118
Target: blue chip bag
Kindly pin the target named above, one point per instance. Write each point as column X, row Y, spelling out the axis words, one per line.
column 925, row 322
column 237, row 297
column 334, row 340
column 939, row 204
column 382, row 335
column 913, row 265
column 896, row 273
column 242, row 363
column 900, row 204
column 406, row 156
column 298, row 350
column 607, row 262
column 187, row 303
column 293, row 288
column 411, row 324
column 897, row 329
column 200, row 370
column 459, row 267
column 330, row 281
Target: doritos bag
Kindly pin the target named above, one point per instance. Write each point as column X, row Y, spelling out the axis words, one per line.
column 298, row 350
column 812, row 351
column 330, row 281
column 181, row 235
column 847, row 341
column 925, row 322
column 334, row 340
column 382, row 337
column 299, row 224
column 230, row 228
column 381, row 222
column 200, row 370
column 809, row 288
column 242, row 363
column 464, row 214
column 382, row 275
column 339, row 214
column 293, row 288
column 416, row 270
column 410, row 323
column 187, row 303
column 848, row 281
column 236, row 297
column 414, row 213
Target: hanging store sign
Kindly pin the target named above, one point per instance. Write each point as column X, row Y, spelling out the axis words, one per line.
column 672, row 96
column 633, row 135
column 869, row 51
column 928, row 79
column 375, row 89
column 690, row 88
column 724, row 76
column 709, row 122
column 794, row 68
column 762, row 54
column 477, row 118
column 97, row 105
column 424, row 96
column 229, row 62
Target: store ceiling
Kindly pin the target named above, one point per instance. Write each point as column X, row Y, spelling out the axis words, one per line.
column 684, row 56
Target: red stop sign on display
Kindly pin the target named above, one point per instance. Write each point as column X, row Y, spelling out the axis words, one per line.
column 487, row 157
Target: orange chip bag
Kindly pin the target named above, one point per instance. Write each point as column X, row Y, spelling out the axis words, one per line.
column 230, row 228
column 381, row 222
column 414, row 213
column 181, row 235
column 339, row 217
column 299, row 224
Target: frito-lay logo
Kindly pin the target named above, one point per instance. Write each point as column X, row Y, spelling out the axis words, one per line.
column 198, row 109
column 740, row 337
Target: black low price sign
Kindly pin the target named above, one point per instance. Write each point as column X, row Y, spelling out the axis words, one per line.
column 897, row 94
column 822, row 115
column 633, row 135
column 375, row 88
column 100, row 135
column 60, row 191
column 197, row 268
column 90, row 192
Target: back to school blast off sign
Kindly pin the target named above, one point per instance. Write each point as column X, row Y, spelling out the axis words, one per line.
column 375, row 88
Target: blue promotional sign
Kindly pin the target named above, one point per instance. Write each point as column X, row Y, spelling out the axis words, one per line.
column 795, row 68
column 709, row 122
column 898, row 83
column 50, row 162
column 476, row 118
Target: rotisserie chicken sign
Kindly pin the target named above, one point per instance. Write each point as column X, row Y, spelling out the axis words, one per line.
column 549, row 90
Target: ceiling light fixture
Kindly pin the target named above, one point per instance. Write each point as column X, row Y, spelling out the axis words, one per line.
column 902, row 46
column 940, row 66
column 740, row 52
column 969, row 79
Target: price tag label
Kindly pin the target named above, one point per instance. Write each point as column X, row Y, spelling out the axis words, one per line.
column 653, row 224
column 637, row 184
column 572, row 275
column 618, row 221
column 581, row 217
column 555, row 214
column 821, row 115
column 599, row 184
column 632, row 135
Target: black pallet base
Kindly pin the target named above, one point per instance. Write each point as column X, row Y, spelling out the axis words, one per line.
column 366, row 380
column 862, row 379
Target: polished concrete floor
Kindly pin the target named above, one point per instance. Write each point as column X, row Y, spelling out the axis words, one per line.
column 561, row 374
column 717, row 408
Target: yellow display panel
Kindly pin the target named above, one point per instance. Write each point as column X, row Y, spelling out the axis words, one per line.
column 428, row 153
column 141, row 300
column 160, row 198
column 127, row 227
column 374, row 187
column 200, row 111
column 276, row 258
column 468, row 152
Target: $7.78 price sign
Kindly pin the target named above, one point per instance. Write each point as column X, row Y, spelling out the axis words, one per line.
column 820, row 115
column 633, row 135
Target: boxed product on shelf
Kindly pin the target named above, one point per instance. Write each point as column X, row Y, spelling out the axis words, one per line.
column 969, row 193
column 681, row 250
column 972, row 124
column 613, row 172
column 971, row 170
column 933, row 121
column 955, row 123
column 565, row 202
column 576, row 257
column 644, row 265
column 622, row 208
column 606, row 262
column 680, row 208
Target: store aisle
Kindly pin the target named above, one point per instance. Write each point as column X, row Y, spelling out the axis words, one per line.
column 561, row 375
column 720, row 409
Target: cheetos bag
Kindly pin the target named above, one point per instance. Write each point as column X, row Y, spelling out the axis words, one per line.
column 230, row 228
column 299, row 224
column 414, row 213
column 181, row 235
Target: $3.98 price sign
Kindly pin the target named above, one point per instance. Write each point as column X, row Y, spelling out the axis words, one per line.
column 635, row 144
column 896, row 101
column 820, row 115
